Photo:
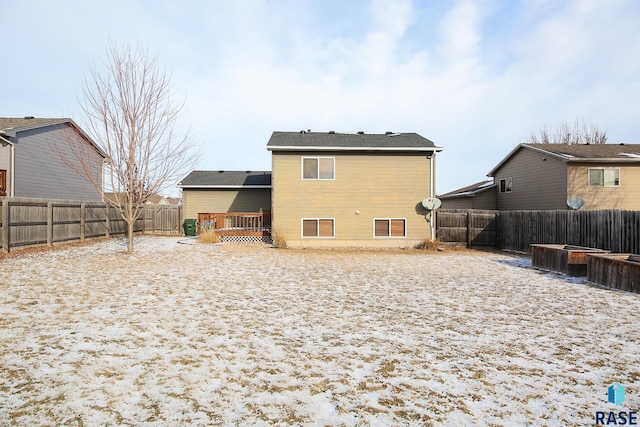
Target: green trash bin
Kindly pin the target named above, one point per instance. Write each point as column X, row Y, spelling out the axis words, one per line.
column 189, row 227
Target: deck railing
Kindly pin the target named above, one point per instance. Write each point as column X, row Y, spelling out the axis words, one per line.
column 236, row 223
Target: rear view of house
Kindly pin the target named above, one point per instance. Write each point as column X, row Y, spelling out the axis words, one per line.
column 36, row 157
column 351, row 190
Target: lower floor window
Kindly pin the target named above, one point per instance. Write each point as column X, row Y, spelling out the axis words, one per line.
column 390, row 227
column 318, row 227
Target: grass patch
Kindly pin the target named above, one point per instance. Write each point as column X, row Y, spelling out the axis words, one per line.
column 279, row 239
column 209, row 237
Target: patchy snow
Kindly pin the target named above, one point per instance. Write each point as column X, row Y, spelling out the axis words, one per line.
column 233, row 334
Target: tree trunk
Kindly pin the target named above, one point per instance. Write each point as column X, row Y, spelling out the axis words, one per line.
column 130, row 235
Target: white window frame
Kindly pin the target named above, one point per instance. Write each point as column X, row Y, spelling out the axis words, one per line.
column 333, row 230
column 604, row 184
column 333, row 159
column 508, row 185
column 389, row 236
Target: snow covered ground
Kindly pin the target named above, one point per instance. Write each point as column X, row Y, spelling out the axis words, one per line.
column 231, row 334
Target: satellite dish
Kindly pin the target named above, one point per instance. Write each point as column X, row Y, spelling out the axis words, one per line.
column 575, row 203
column 431, row 203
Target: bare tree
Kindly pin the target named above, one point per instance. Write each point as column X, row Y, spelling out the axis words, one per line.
column 579, row 133
column 129, row 113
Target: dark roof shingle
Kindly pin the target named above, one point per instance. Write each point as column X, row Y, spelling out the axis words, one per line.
column 232, row 179
column 344, row 141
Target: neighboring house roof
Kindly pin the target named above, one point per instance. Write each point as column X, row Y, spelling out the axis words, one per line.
column 593, row 153
column 332, row 141
column 11, row 126
column 469, row 191
column 227, row 179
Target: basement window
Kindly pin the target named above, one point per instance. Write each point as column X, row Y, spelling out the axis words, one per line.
column 318, row 227
column 389, row 227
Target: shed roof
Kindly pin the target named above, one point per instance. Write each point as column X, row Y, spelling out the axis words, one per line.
column 332, row 141
column 227, row 179
column 589, row 153
column 470, row 190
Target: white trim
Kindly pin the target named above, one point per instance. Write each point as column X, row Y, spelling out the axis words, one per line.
column 321, row 148
column 389, row 236
column 318, row 169
column 188, row 187
column 510, row 189
column 333, row 231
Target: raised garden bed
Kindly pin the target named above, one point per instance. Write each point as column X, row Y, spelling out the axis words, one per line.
column 616, row 271
column 568, row 259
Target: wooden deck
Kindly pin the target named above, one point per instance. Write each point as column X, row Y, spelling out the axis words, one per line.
column 236, row 223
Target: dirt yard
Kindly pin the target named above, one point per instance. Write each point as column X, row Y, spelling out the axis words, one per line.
column 194, row 334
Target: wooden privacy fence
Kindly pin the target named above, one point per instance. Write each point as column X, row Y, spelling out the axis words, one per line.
column 466, row 227
column 613, row 230
column 37, row 222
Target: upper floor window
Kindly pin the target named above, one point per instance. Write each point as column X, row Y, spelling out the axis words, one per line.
column 505, row 185
column 604, row 177
column 318, row 167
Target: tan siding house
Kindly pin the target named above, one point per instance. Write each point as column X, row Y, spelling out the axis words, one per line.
column 545, row 176
column 225, row 191
column 351, row 190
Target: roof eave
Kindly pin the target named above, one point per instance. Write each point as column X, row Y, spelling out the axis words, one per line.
column 220, row 187
column 325, row 148
column 603, row 160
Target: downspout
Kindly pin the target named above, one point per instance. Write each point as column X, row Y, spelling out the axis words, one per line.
column 432, row 194
column 12, row 161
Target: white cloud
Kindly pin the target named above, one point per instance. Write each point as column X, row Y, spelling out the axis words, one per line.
column 474, row 76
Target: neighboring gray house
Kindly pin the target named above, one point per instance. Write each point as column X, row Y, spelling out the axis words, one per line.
column 481, row 195
column 546, row 176
column 225, row 191
column 35, row 154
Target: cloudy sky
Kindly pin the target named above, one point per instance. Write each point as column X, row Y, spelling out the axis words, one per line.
column 474, row 76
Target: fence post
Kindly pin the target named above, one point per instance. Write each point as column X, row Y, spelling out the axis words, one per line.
column 83, row 220
column 468, row 229
column 107, row 221
column 6, row 230
column 49, row 223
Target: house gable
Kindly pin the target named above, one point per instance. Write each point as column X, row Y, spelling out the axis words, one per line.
column 40, row 153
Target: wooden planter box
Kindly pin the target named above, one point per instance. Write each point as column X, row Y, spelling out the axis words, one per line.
column 616, row 271
column 568, row 259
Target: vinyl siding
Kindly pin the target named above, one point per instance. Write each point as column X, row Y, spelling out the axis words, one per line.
column 221, row 200
column 40, row 168
column 482, row 200
column 366, row 186
column 625, row 196
column 537, row 183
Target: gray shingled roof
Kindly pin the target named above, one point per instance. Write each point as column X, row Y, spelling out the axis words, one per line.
column 284, row 141
column 17, row 124
column 226, row 179
column 469, row 190
column 592, row 151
